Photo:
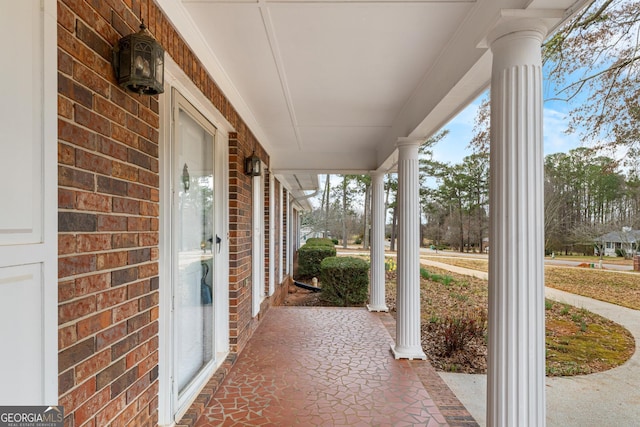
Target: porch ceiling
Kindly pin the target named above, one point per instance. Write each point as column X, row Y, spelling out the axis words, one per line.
column 328, row 86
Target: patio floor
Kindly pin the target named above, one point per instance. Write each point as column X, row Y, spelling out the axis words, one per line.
column 317, row 366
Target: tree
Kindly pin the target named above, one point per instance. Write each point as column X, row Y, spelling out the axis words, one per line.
column 597, row 56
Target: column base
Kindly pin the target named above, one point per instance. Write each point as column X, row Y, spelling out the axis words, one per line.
column 414, row 353
column 378, row 308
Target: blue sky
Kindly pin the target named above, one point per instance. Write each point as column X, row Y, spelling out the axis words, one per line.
column 454, row 147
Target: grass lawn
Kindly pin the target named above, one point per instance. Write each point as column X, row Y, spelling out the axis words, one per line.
column 614, row 287
column 454, row 310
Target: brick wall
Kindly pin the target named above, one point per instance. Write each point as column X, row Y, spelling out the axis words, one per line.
column 108, row 227
column 108, row 202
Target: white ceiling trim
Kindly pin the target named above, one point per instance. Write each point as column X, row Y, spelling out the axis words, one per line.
column 282, row 75
column 181, row 20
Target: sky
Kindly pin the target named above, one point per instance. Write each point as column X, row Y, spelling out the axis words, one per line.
column 454, row 147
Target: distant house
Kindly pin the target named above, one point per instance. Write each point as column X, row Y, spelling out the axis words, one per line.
column 627, row 240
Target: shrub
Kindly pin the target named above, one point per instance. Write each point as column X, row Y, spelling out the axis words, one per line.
column 335, row 241
column 345, row 280
column 458, row 331
column 310, row 257
column 319, row 241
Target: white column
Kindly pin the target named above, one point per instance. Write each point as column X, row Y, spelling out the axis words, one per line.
column 408, row 344
column 516, row 359
column 377, row 296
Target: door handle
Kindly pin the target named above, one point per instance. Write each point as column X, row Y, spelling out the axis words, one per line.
column 218, row 242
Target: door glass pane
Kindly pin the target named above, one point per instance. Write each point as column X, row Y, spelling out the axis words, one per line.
column 194, row 243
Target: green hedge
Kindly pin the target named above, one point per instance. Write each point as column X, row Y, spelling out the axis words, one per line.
column 310, row 257
column 345, row 280
column 319, row 241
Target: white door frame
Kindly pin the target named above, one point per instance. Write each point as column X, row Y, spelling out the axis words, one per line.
column 257, row 248
column 169, row 409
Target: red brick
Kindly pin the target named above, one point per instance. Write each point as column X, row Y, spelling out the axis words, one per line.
column 92, row 406
column 112, row 186
column 139, row 127
column 148, row 270
column 149, row 239
column 92, row 120
column 138, row 387
column 77, row 264
column 111, row 260
column 148, row 332
column 91, row 162
column 92, row 366
column 138, row 322
column 124, row 240
column 124, row 382
column 149, row 209
column 149, row 117
column 124, row 205
column 65, row 107
column 140, row 159
column 110, row 336
column 66, row 244
column 66, row 381
column 139, row 353
column 93, row 202
column 125, row 419
column 154, row 224
column 66, row 154
column 75, row 354
column 93, row 242
column 93, row 40
column 124, row 100
column 76, row 309
column 112, row 223
column 110, row 298
column 124, row 135
column 138, row 256
column 138, row 191
column 109, row 374
column 148, row 301
column 109, row 110
column 112, row 409
column 93, row 324
column 65, row 17
column 76, row 135
column 139, row 288
column 68, row 177
column 91, row 284
column 78, row 395
column 125, row 275
column 138, row 224
column 74, row 91
column 91, row 79
column 67, row 336
column 112, row 148
column 124, row 311
column 148, row 147
column 125, row 171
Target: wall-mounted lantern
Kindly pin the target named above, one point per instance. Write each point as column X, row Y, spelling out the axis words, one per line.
column 252, row 165
column 138, row 61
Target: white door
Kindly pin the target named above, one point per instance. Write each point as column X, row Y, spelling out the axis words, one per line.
column 28, row 204
column 194, row 244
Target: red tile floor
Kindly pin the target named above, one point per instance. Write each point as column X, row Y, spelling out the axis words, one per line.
column 317, row 366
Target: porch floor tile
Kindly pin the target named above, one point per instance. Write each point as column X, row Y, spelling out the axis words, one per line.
column 325, row 366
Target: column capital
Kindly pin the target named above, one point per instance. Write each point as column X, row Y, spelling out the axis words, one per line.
column 409, row 141
column 510, row 21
